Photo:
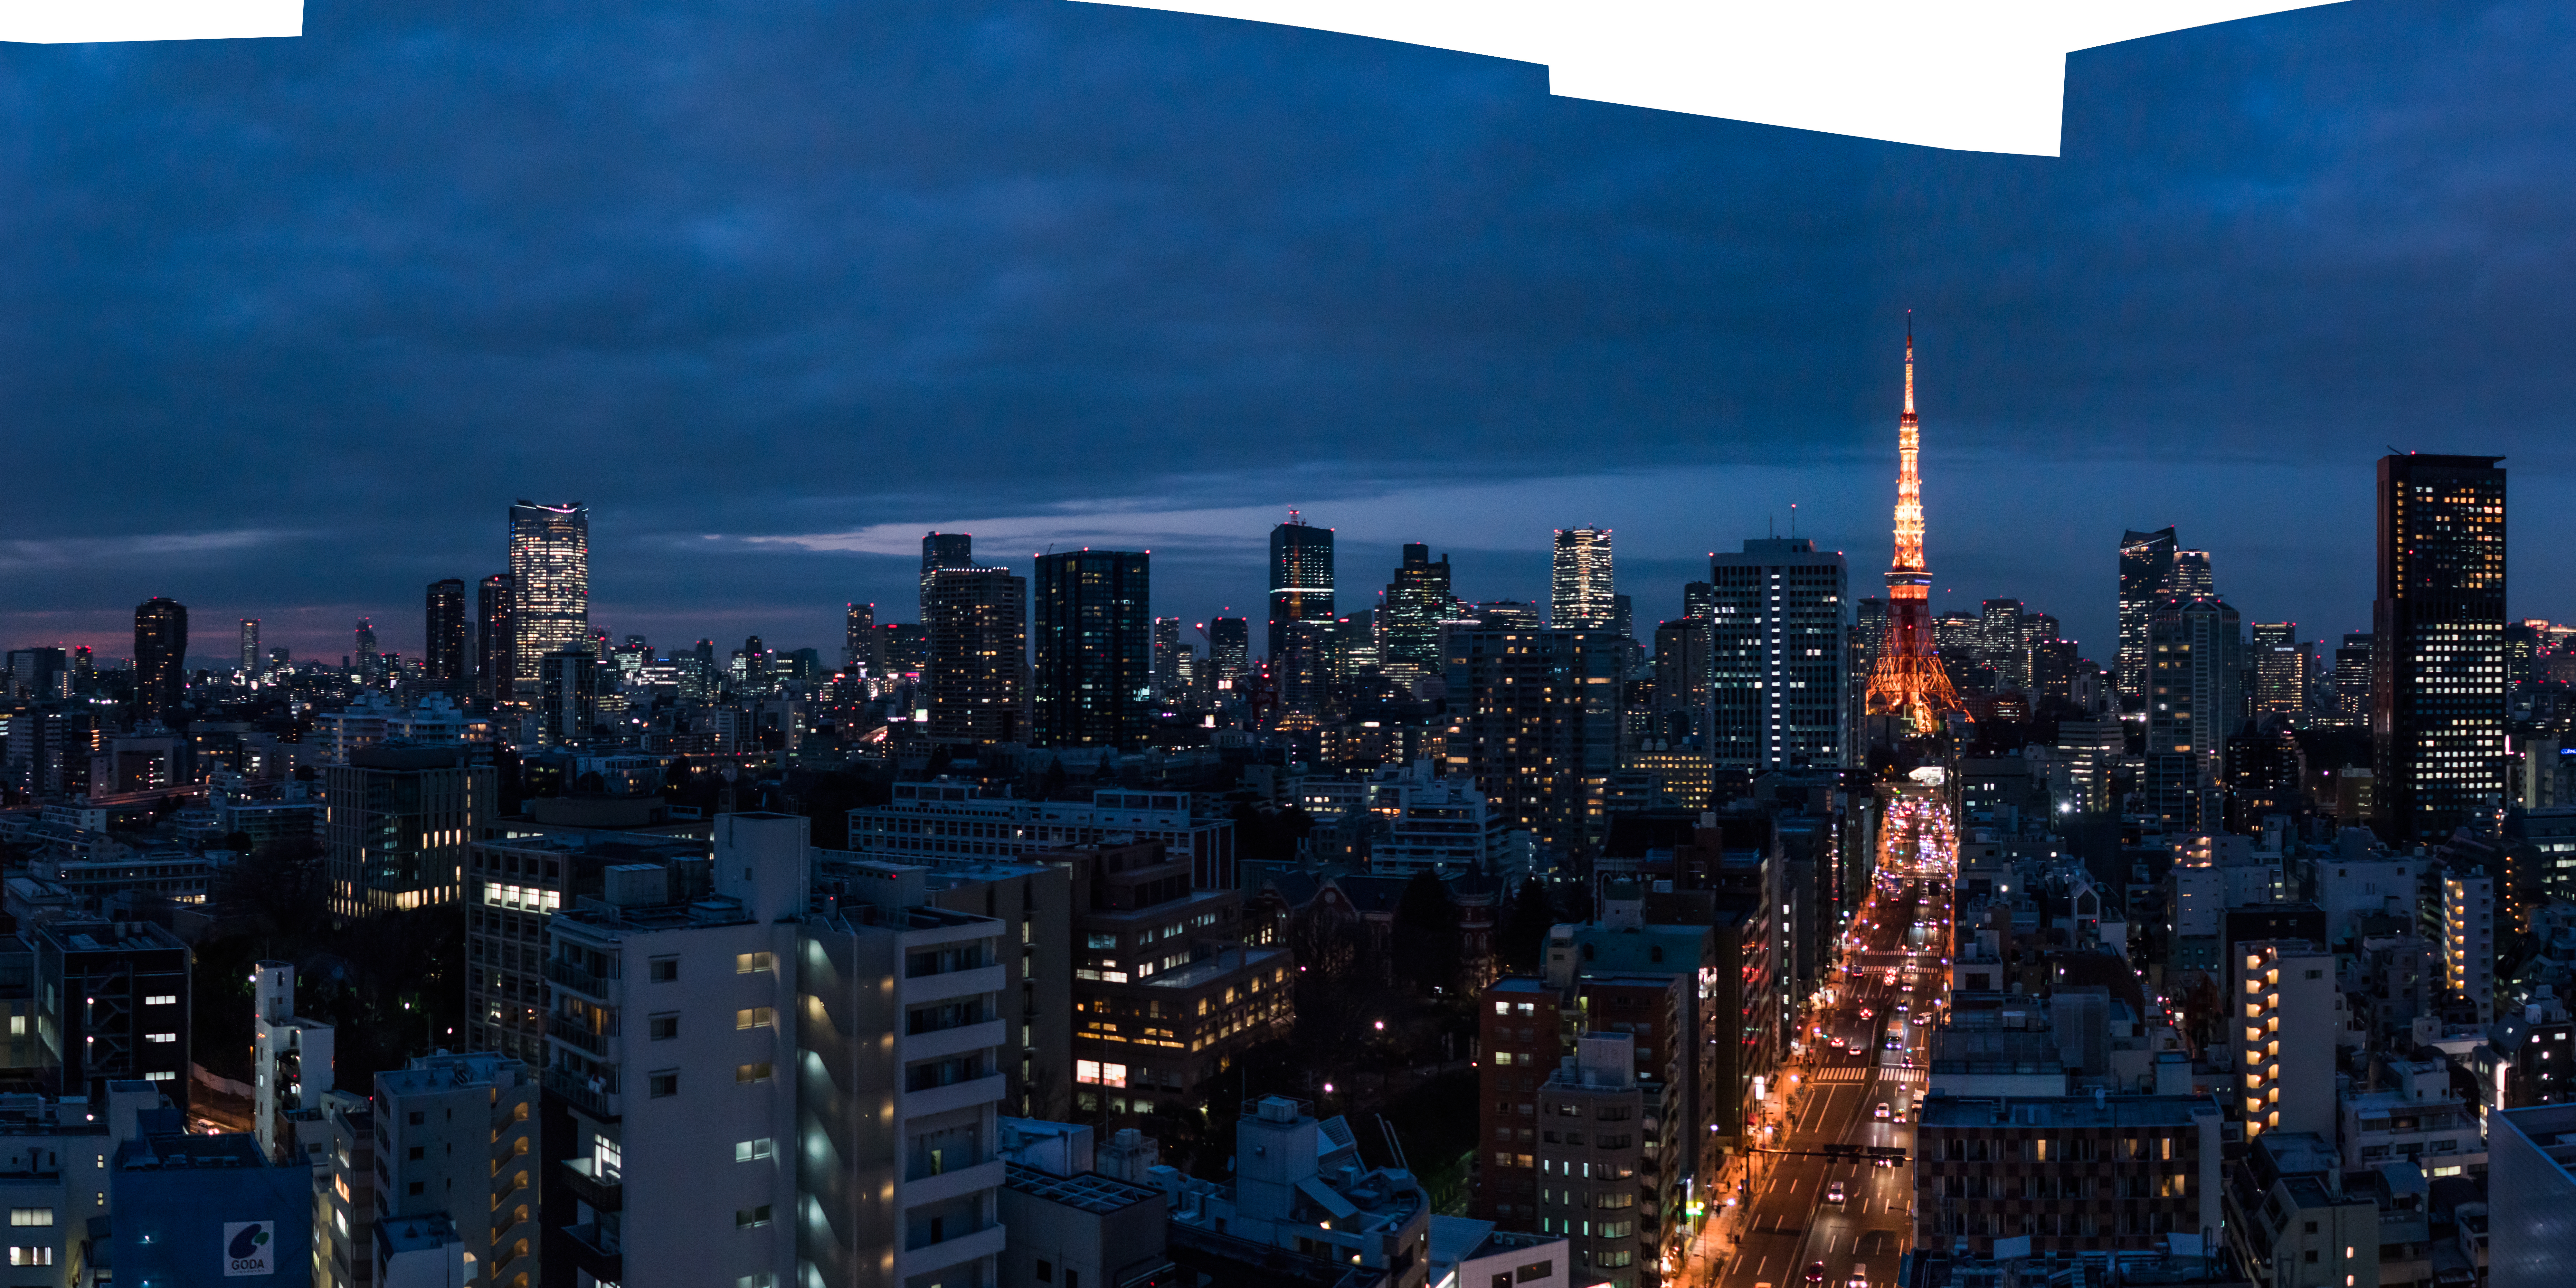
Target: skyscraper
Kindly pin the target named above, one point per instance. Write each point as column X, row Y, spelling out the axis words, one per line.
column 1777, row 653
column 549, row 587
column 1537, row 715
column 1682, row 671
column 1580, row 595
column 443, row 657
column 943, row 550
column 569, row 683
column 2146, row 572
column 1301, row 579
column 1095, row 650
column 2438, row 691
column 977, row 620
column 160, row 658
column 494, row 637
column 2196, row 667
column 862, row 649
column 2352, row 678
column 1171, row 683
column 1417, row 601
column 1229, row 650
column 366, row 652
column 2280, row 670
column 250, row 655
column 2192, row 574
column 1909, row 682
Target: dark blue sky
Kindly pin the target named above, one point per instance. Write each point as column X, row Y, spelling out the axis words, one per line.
column 285, row 325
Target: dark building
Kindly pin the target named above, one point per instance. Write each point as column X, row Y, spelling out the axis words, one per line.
column 494, row 666
column 160, row 658
column 2352, row 677
column 1682, row 678
column 862, row 649
column 2071, row 1174
column 443, row 656
column 2437, row 682
column 1518, row 1030
column 1172, row 662
column 1417, row 601
column 1092, row 615
column 568, row 699
column 1537, row 725
column 1301, row 579
column 2146, row 574
column 112, row 1004
column 1229, row 649
column 977, row 620
column 1776, row 646
column 400, row 821
column 943, row 550
column 905, row 646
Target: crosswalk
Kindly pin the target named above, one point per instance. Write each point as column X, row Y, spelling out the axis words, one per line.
column 1915, row 1076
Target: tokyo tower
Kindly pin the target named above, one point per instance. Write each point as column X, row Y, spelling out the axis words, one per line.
column 1909, row 680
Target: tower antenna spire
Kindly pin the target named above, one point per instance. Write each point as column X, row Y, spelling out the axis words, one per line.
column 1909, row 680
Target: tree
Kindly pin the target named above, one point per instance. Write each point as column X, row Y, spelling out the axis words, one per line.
column 282, row 884
column 1522, row 938
column 1425, row 948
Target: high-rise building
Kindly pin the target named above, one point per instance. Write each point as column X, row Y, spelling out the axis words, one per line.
column 2195, row 701
column 2146, row 575
column 1776, row 649
column 977, row 621
column 37, row 674
column 1683, row 667
column 2352, row 677
column 1909, row 682
column 494, row 638
column 368, row 655
column 250, row 655
column 2282, row 1025
column 1229, row 650
column 943, row 550
column 549, row 587
column 1540, row 725
column 2280, row 670
column 459, row 1138
column 1301, row 579
column 1417, row 601
column 569, row 682
column 396, row 823
column 443, row 658
column 862, row 649
column 2000, row 647
column 1171, row 681
column 1092, row 616
column 2438, row 689
column 160, row 658
column 1580, row 594
column 2192, row 574
column 2469, row 937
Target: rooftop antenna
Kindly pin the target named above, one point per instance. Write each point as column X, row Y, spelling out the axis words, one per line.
column 1793, row 519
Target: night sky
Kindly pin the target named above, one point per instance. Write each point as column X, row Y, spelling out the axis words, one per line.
column 286, row 325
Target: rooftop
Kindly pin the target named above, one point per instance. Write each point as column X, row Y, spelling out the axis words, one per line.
column 1088, row 1192
column 2063, row 1111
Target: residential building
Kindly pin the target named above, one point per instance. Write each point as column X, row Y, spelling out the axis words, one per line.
column 2469, row 937
column 160, row 659
column 456, row 1136
column 1093, row 621
column 549, row 600
column 1582, row 596
column 445, row 659
column 1536, row 725
column 2194, row 700
column 943, row 820
column 1592, row 1169
column 2282, row 1020
column 862, row 648
column 1777, row 655
column 2073, row 1174
column 2146, row 575
column 513, row 887
column 1301, row 1187
column 2531, row 1187
column 978, row 677
column 2416, row 1118
column 2292, row 1224
column 2438, row 684
column 291, row 1067
column 1518, row 1043
column 396, row 822
column 252, row 660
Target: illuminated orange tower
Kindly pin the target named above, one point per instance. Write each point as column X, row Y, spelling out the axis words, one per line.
column 1909, row 680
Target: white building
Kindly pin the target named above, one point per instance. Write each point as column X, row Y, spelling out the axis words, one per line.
column 2350, row 885
column 2282, row 1025
column 2418, row 1120
column 938, row 820
column 2468, row 938
column 456, row 1137
column 290, row 1062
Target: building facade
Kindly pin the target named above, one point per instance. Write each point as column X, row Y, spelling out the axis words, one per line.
column 1581, row 593
column 2438, row 684
column 1093, row 618
column 1777, row 656
column 978, row 677
column 160, row 658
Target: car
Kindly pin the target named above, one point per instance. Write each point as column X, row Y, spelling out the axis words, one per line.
column 1865, row 1012
column 1882, row 1161
column 1897, row 1117
column 1902, row 1006
column 1908, row 988
column 1834, row 1192
column 1880, row 1112
column 1859, row 1276
column 1815, row 1272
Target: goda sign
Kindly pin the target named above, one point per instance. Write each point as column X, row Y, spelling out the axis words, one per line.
column 250, row 1248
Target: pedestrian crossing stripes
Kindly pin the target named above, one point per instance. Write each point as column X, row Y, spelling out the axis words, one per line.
column 1916, row 1076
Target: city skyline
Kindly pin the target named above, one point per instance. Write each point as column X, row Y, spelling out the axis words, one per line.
column 2261, row 259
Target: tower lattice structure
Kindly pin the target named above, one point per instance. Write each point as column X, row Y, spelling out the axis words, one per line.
column 1909, row 680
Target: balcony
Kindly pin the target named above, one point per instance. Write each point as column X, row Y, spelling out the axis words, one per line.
column 596, row 1248
column 570, row 1031
column 986, row 1242
column 950, row 984
column 956, row 1095
column 943, row 1043
column 576, row 1091
column 562, row 972
column 580, row 1175
column 950, row 1184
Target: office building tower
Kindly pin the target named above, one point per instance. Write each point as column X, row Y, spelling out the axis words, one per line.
column 2279, row 670
column 2092, row 749
column 1418, row 599
column 907, row 647
column 1301, row 579
column 2195, row 701
column 2352, row 677
column 1908, row 682
column 977, row 621
column 1092, row 617
column 549, row 588
column 2146, row 575
column 396, row 822
column 457, row 1136
column 140, row 1032
column 2000, row 646
column 1537, row 725
column 1580, row 594
column 1777, row 654
column 1229, row 651
column 443, row 656
column 2053, row 664
column 2281, row 1020
column 943, row 550
column 160, row 659
column 1171, row 684
column 1683, row 666
column 569, row 684
column 37, row 675
column 494, row 638
column 1591, row 1189
column 862, row 648
column 2438, row 691
column 2192, row 574
column 369, row 667
column 250, row 654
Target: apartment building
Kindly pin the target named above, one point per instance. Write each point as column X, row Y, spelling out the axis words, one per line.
column 513, row 887
column 1518, row 1041
column 456, row 1135
column 2415, row 1118
column 1592, row 1178
column 2282, row 1035
column 943, row 819
column 2074, row 1174
column 2468, row 937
